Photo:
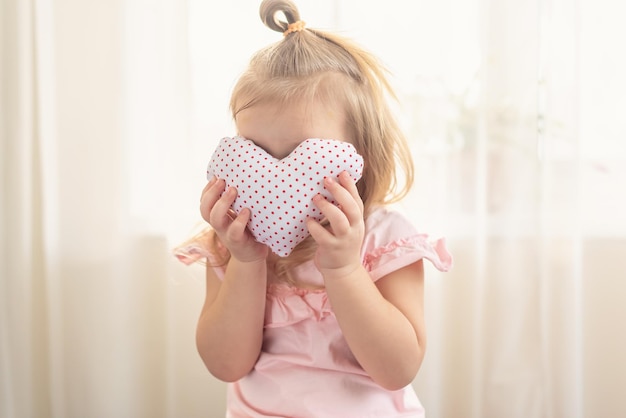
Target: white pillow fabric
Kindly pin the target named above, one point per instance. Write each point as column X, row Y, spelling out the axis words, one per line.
column 279, row 192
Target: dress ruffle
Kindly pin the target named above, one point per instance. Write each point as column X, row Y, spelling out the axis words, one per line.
column 287, row 305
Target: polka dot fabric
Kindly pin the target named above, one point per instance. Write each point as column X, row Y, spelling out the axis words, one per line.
column 279, row 192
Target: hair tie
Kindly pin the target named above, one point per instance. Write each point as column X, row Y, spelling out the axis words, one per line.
column 294, row 27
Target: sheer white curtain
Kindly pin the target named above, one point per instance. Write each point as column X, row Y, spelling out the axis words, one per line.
column 97, row 173
column 512, row 110
column 109, row 110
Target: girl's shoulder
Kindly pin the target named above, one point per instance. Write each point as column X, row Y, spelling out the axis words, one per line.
column 388, row 218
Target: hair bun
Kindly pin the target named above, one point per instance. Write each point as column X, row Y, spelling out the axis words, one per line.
column 270, row 8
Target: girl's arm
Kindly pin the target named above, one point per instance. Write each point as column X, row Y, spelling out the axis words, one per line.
column 229, row 334
column 230, row 329
column 383, row 322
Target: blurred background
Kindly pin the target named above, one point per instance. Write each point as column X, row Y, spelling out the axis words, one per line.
column 109, row 111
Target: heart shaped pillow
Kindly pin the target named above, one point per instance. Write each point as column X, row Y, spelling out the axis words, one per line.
column 279, row 192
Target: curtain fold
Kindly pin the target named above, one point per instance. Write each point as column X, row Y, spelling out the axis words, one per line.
column 24, row 333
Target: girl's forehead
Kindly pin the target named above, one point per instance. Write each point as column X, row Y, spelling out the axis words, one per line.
column 277, row 127
column 296, row 113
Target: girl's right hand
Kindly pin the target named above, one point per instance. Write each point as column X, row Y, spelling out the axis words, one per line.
column 215, row 207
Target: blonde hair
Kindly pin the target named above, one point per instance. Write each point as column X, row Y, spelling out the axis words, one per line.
column 311, row 64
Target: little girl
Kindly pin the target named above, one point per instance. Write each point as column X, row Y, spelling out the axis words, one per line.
column 336, row 328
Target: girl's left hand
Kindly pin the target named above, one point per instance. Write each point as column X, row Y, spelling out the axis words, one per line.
column 339, row 244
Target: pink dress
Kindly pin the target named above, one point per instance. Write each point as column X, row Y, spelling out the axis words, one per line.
column 306, row 368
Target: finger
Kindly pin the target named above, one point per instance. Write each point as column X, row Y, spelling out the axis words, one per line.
column 210, row 195
column 208, row 186
column 237, row 229
column 320, row 234
column 338, row 221
column 346, row 180
column 220, row 213
column 348, row 201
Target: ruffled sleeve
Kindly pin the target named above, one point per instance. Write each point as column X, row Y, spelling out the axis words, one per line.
column 195, row 250
column 392, row 242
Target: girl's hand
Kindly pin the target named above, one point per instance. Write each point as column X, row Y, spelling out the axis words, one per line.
column 215, row 207
column 339, row 244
